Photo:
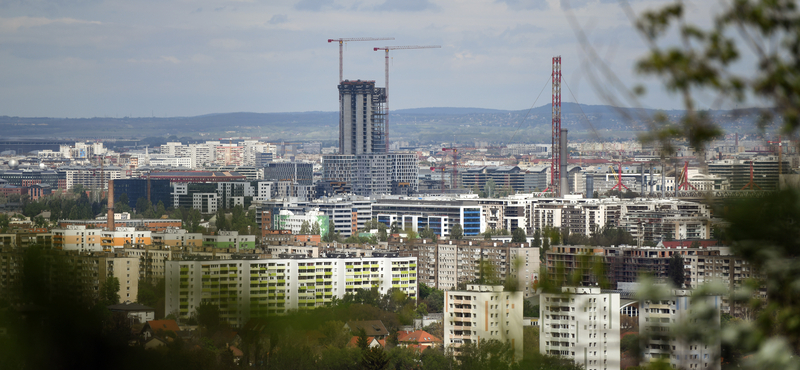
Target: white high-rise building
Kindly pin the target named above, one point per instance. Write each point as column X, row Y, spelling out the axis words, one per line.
column 658, row 318
column 483, row 312
column 581, row 324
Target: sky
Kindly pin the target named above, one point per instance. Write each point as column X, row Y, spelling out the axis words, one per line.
column 166, row 58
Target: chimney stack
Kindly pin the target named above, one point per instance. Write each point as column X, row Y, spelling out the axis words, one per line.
column 111, row 205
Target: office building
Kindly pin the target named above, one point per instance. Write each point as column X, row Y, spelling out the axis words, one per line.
column 431, row 212
column 482, row 312
column 581, row 324
column 153, row 190
column 251, row 288
column 361, row 123
column 297, row 172
column 373, row 174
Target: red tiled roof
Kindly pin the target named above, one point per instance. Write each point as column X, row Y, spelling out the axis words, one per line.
column 419, row 336
column 157, row 325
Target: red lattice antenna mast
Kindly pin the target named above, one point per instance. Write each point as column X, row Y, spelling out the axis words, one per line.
column 555, row 165
column 752, row 184
column 619, row 184
column 685, row 184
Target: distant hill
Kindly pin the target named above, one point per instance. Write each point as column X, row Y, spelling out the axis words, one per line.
column 437, row 124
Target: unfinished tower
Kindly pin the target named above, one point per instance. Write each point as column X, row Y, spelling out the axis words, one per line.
column 361, row 118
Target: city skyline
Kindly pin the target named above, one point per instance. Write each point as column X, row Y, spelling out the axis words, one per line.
column 104, row 58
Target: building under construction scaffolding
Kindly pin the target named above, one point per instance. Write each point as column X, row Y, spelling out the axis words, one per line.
column 361, row 118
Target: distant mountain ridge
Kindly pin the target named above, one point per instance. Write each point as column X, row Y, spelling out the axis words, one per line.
column 418, row 124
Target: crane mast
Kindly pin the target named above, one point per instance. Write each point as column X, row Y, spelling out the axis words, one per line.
column 386, row 105
column 343, row 40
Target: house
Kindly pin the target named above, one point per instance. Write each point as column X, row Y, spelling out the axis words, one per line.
column 418, row 338
column 154, row 342
column 371, row 342
column 136, row 311
column 373, row 328
column 153, row 327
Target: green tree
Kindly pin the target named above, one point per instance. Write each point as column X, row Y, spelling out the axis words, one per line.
column 305, row 228
column 427, row 233
column 456, row 232
column 382, row 234
column 518, row 236
column 374, row 358
column 489, row 188
column 143, row 206
column 208, row 317
column 315, row 228
column 331, row 235
column 363, row 340
column 109, row 290
column 537, row 239
column 529, row 309
column 675, row 271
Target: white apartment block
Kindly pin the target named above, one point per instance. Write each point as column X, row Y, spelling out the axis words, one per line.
column 91, row 177
column 483, row 312
column 288, row 220
column 581, row 324
column 126, row 270
column 250, row 288
column 657, row 320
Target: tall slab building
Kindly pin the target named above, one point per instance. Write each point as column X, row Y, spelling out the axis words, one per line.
column 361, row 120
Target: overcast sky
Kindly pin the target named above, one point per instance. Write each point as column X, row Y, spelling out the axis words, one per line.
column 95, row 58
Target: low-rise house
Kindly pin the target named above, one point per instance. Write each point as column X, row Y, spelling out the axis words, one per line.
column 135, row 311
column 154, row 328
column 418, row 339
column 373, row 328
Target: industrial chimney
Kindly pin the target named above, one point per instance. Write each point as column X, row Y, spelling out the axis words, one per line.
column 111, row 205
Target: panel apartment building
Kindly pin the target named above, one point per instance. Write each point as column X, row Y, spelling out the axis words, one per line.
column 445, row 265
column 581, row 324
column 250, row 288
column 482, row 312
column 657, row 319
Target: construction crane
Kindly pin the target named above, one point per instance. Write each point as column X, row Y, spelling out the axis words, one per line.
column 343, row 40
column 442, row 169
column 386, row 106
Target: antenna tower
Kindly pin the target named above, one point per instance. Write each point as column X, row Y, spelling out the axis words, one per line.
column 555, row 165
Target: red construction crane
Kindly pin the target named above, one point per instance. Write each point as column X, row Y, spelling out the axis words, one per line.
column 442, row 167
column 454, row 176
column 386, row 106
column 343, row 40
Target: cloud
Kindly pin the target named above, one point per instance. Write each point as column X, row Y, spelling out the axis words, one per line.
column 14, row 24
column 526, row 4
column 406, row 5
column 278, row 19
column 573, row 4
column 315, row 5
column 227, row 43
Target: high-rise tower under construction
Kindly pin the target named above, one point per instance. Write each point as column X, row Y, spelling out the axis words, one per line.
column 362, row 126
